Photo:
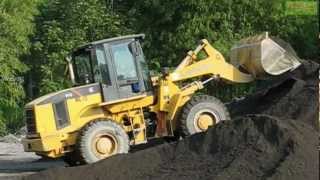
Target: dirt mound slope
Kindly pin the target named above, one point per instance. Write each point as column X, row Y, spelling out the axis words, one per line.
column 296, row 97
column 279, row 145
column 251, row 147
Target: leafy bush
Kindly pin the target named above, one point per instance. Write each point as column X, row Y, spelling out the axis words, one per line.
column 15, row 28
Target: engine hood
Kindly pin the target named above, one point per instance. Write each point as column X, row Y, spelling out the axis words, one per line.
column 75, row 92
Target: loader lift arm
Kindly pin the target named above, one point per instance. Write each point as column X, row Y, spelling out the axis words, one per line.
column 214, row 65
column 247, row 55
column 172, row 97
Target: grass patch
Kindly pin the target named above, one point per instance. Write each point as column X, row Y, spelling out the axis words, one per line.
column 301, row 8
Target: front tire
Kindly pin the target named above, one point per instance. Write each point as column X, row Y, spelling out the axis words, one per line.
column 200, row 113
column 100, row 140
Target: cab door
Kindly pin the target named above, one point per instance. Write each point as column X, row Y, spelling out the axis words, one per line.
column 102, row 71
column 127, row 74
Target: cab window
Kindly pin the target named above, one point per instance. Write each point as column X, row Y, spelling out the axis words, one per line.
column 144, row 68
column 100, row 66
column 82, row 67
column 124, row 62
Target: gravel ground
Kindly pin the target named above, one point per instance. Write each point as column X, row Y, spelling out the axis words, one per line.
column 14, row 161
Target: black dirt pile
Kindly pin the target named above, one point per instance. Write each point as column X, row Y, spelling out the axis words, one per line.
column 256, row 146
column 295, row 97
column 251, row 147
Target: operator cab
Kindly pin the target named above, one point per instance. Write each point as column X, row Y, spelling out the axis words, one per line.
column 117, row 64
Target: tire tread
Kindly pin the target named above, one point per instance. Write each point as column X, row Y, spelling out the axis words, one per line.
column 194, row 101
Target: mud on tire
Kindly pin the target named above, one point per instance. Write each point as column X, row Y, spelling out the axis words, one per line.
column 208, row 106
column 85, row 148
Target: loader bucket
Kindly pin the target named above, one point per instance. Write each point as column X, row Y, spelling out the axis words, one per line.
column 263, row 56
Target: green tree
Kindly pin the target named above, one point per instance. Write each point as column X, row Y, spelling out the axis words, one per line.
column 175, row 26
column 15, row 28
column 63, row 25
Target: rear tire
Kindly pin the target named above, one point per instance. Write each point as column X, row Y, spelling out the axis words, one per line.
column 200, row 113
column 102, row 139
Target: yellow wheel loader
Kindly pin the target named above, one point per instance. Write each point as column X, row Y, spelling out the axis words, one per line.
column 115, row 103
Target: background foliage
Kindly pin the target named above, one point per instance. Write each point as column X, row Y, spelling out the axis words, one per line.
column 61, row 26
column 37, row 35
column 16, row 25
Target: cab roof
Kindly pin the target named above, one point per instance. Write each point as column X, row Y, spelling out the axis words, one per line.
column 134, row 36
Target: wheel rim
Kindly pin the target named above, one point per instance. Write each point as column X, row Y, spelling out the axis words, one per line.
column 204, row 119
column 104, row 145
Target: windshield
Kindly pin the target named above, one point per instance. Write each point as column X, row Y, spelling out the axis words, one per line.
column 82, row 67
column 124, row 62
column 144, row 68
